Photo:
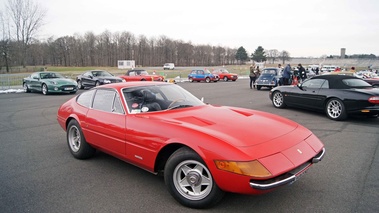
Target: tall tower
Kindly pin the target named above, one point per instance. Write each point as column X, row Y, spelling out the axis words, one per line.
column 343, row 51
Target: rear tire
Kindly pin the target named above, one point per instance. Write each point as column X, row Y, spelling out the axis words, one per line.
column 76, row 142
column 226, row 78
column 80, row 85
column 25, row 87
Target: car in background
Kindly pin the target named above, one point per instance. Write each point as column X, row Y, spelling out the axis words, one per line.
column 201, row 150
column 140, row 75
column 336, row 95
column 202, row 75
column 169, row 66
column 94, row 78
column 269, row 78
column 49, row 82
column 225, row 75
column 373, row 81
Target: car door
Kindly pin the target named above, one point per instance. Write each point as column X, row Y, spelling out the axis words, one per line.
column 200, row 75
column 87, row 79
column 308, row 94
column 33, row 81
column 106, row 122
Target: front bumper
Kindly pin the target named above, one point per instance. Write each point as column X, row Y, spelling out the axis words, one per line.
column 287, row 178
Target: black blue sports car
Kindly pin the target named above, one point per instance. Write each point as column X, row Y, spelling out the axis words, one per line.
column 336, row 95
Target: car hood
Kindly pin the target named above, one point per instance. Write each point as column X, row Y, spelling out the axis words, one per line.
column 236, row 126
column 108, row 77
column 61, row 81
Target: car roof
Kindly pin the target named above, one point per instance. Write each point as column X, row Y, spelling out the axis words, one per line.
column 335, row 81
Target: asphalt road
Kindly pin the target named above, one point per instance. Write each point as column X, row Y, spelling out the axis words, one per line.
column 38, row 174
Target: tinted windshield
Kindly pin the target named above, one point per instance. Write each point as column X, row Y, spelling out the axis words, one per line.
column 101, row 73
column 166, row 96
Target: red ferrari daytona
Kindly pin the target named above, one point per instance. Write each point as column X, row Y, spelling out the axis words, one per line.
column 201, row 150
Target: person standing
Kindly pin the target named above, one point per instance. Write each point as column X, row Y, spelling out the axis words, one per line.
column 303, row 74
column 253, row 76
column 287, row 75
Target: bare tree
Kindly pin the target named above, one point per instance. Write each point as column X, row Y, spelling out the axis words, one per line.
column 273, row 54
column 4, row 43
column 27, row 18
column 284, row 56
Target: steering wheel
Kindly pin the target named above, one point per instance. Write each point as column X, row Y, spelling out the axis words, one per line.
column 175, row 101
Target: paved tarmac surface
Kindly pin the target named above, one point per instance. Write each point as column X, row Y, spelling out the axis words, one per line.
column 38, row 174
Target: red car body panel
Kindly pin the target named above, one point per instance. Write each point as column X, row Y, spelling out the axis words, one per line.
column 239, row 135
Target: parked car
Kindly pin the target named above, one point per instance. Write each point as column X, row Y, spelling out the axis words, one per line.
column 373, row 81
column 201, row 150
column 202, row 75
column 140, row 75
column 269, row 78
column 49, row 82
column 169, row 66
column 94, row 78
column 225, row 75
column 337, row 95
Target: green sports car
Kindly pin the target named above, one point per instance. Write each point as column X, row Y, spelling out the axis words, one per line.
column 49, row 82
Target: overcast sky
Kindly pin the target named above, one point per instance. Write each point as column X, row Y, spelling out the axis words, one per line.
column 301, row 27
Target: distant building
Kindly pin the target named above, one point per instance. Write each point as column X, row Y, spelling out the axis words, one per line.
column 343, row 52
column 126, row 64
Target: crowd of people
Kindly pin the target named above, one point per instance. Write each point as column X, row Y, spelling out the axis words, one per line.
column 293, row 75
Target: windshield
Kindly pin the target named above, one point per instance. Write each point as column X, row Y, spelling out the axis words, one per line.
column 47, row 75
column 158, row 98
column 269, row 72
column 101, row 73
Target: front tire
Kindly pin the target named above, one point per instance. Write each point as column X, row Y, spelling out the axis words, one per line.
column 335, row 109
column 278, row 100
column 76, row 142
column 44, row 89
column 259, row 87
column 190, row 80
column 189, row 181
column 207, row 80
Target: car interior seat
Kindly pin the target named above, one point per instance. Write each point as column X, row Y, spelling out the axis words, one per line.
column 150, row 101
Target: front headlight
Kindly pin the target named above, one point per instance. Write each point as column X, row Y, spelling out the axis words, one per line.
column 53, row 82
column 252, row 168
column 107, row 81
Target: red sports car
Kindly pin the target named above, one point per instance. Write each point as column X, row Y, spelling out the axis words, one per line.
column 201, row 150
column 140, row 75
column 225, row 74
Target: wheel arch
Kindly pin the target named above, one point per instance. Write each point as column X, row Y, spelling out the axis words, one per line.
column 164, row 154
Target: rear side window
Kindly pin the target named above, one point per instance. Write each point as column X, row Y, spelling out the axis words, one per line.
column 107, row 101
column 85, row 98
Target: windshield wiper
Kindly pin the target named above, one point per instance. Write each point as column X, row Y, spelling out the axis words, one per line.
column 180, row 106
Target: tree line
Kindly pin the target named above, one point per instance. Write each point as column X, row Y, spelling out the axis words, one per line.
column 19, row 46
